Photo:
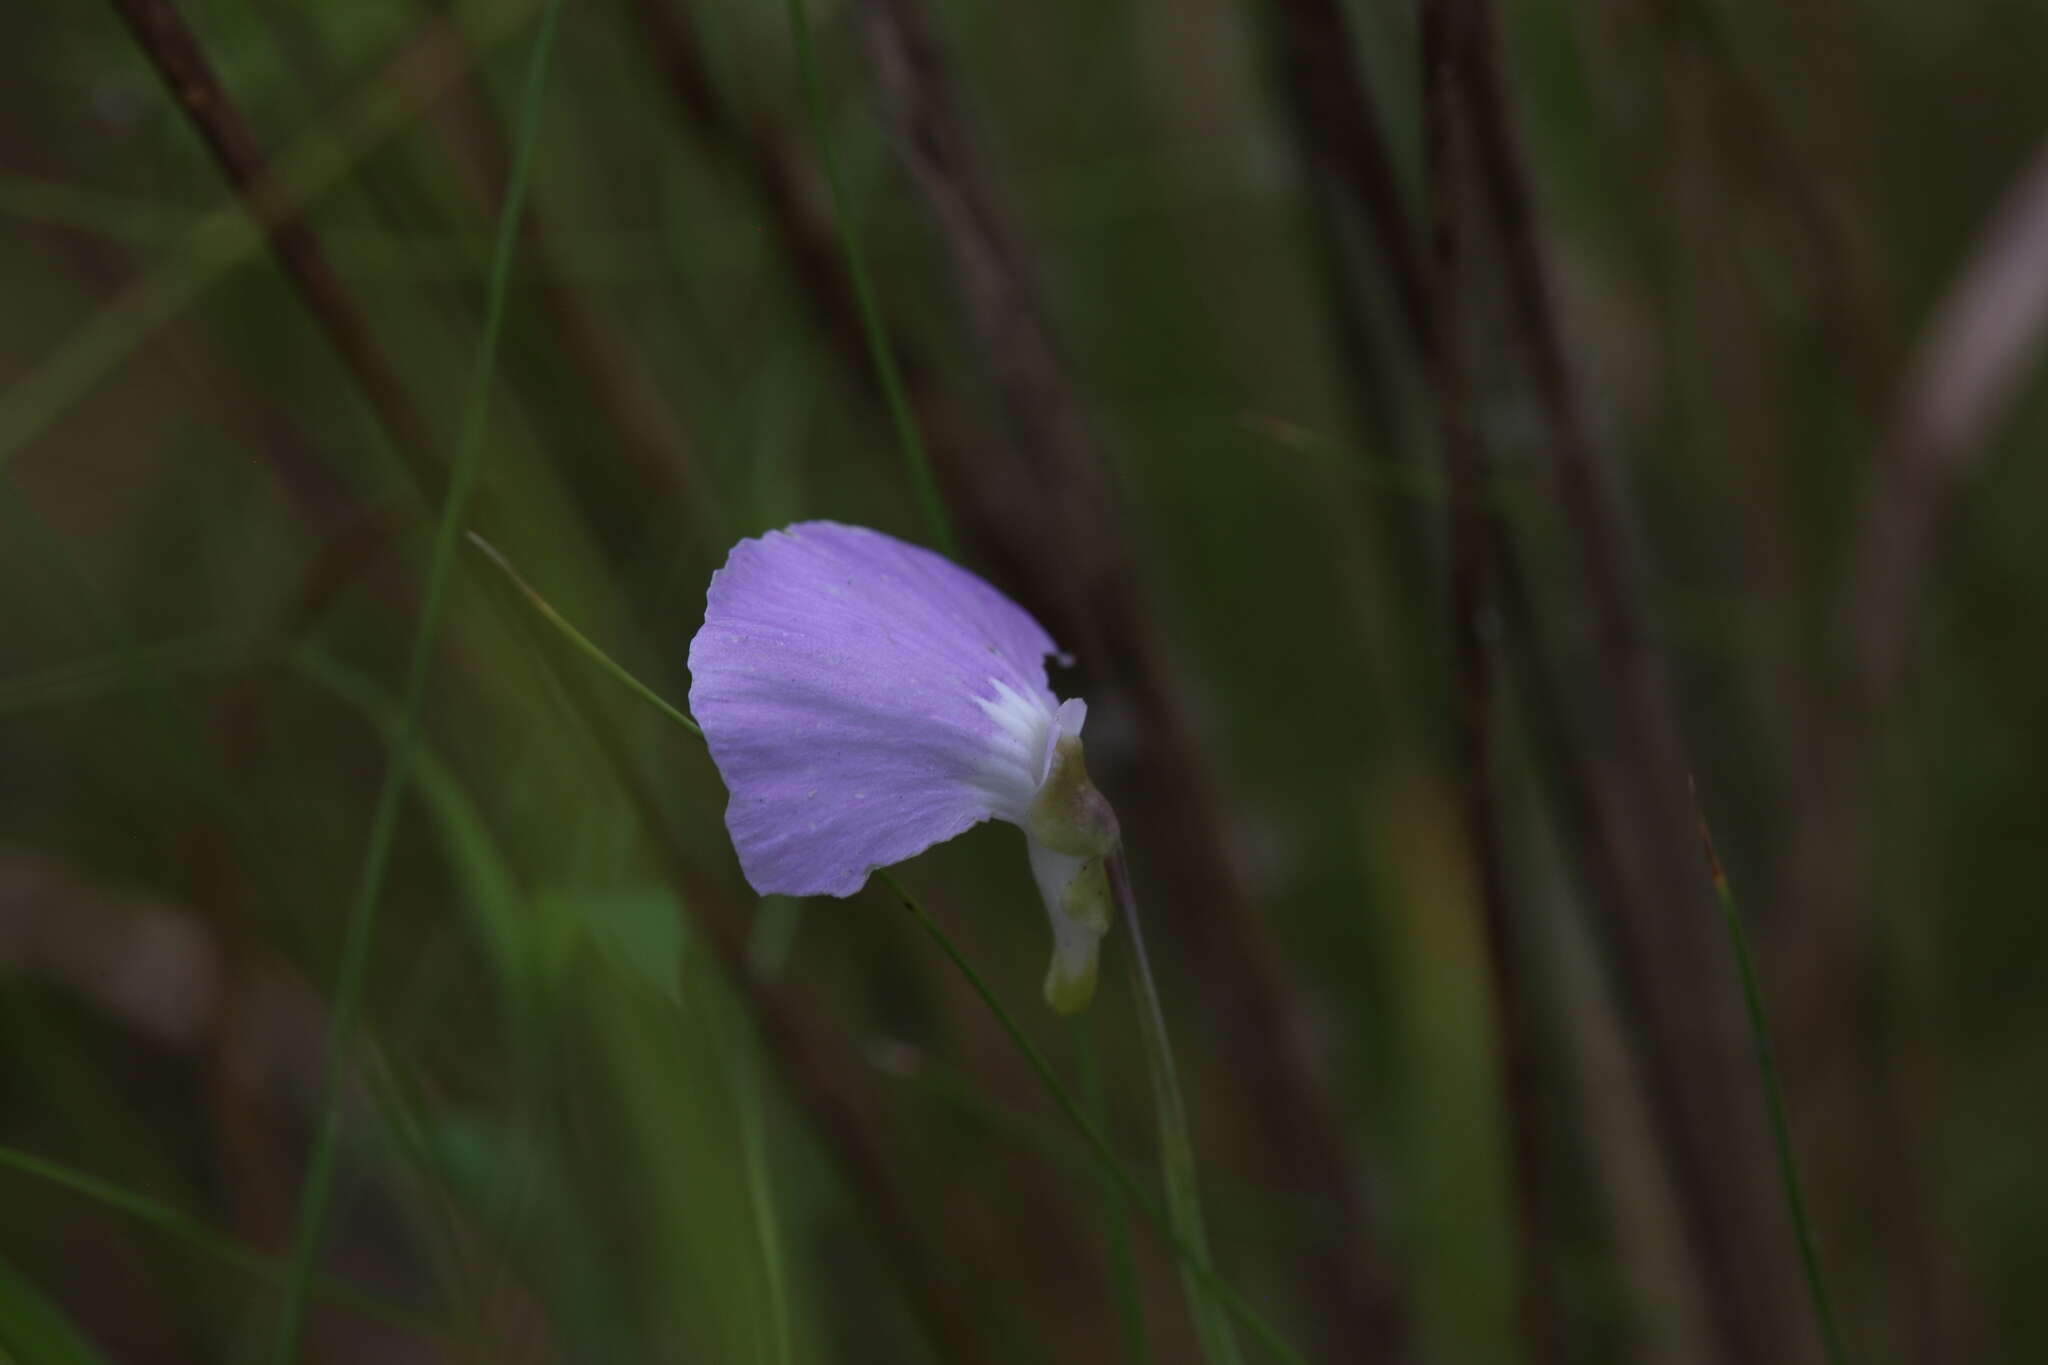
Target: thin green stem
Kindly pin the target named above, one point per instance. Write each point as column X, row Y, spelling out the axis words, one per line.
column 362, row 919
column 195, row 1234
column 767, row 1223
column 1197, row 1260
column 741, row 1068
column 916, row 457
column 1781, row 1130
column 582, row 642
column 1123, row 1264
column 1176, row 1139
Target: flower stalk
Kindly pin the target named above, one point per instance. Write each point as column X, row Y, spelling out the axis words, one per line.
column 1176, row 1138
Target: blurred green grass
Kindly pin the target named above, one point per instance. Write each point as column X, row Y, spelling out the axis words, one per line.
column 567, row 1141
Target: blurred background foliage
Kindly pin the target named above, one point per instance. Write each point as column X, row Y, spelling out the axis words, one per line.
column 1161, row 280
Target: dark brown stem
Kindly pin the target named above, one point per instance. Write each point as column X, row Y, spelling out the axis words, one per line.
column 1597, row 842
column 1753, row 133
column 1374, row 295
column 1047, row 512
column 757, row 153
column 990, row 269
column 173, row 49
column 1970, row 364
column 1334, row 119
column 1625, row 804
column 1443, row 40
column 1666, row 917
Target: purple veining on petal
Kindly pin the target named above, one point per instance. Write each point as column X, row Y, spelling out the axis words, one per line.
column 864, row 699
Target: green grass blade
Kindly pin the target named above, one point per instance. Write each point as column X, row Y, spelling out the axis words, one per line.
column 35, row 1331
column 1194, row 1259
column 768, row 950
column 742, row 1069
column 1176, row 1138
column 1123, row 1264
column 384, row 820
column 767, row 1225
column 1781, row 1131
column 916, row 457
column 196, row 1235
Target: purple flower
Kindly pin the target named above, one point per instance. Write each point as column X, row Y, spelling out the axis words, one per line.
column 865, row 699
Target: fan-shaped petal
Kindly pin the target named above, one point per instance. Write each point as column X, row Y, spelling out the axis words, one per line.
column 864, row 699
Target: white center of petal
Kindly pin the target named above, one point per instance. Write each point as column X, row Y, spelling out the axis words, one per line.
column 1020, row 748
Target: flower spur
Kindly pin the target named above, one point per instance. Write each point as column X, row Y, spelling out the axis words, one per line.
column 865, row 699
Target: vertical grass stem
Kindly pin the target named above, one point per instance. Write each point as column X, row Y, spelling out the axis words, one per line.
column 1781, row 1131
column 1176, row 1140
column 318, row 1187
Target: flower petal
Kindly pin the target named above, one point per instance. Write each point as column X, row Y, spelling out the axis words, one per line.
column 864, row 699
